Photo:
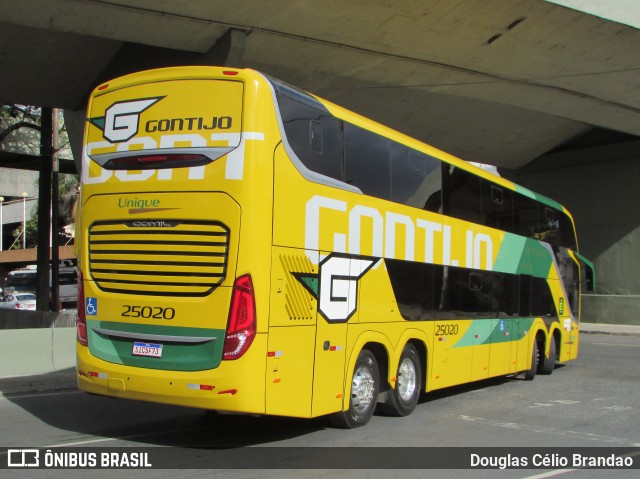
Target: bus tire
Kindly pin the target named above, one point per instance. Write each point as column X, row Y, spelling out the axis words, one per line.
column 530, row 373
column 363, row 393
column 549, row 363
column 403, row 399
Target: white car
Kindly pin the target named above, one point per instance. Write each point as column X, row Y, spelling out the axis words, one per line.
column 19, row 301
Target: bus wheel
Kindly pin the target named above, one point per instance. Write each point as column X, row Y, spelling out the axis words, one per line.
column 402, row 400
column 530, row 373
column 363, row 396
column 549, row 363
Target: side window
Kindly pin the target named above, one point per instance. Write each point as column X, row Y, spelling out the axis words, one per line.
column 452, row 282
column 526, row 216
column 415, row 178
column 567, row 235
column 535, row 297
column 428, row 291
column 367, row 159
column 506, row 294
column 524, row 306
column 476, row 293
column 461, row 194
column 497, row 206
column 549, row 230
column 570, row 276
column 542, row 301
column 314, row 135
column 544, row 223
column 418, row 288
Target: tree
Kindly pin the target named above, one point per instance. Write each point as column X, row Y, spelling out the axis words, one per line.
column 68, row 188
column 20, row 133
column 20, row 129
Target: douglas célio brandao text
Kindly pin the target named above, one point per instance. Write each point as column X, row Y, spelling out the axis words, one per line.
column 549, row 460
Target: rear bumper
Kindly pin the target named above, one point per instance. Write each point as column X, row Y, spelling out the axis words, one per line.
column 233, row 386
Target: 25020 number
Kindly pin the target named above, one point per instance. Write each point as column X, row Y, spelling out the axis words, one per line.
column 446, row 329
column 148, row 312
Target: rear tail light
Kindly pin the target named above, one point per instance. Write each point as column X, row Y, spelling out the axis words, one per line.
column 20, row 306
column 81, row 323
column 241, row 327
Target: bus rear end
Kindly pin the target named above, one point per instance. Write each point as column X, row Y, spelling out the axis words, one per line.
column 168, row 302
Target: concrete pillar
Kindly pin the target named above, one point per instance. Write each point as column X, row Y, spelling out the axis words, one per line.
column 44, row 206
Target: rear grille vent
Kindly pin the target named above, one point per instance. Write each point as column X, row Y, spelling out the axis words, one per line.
column 158, row 257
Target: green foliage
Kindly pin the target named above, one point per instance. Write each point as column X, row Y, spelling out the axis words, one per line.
column 20, row 133
column 68, row 193
column 20, row 130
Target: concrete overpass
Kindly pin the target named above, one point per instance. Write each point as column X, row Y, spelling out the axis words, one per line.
column 549, row 94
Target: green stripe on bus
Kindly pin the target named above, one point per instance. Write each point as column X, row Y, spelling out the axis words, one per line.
column 520, row 255
column 494, row 331
column 176, row 356
column 510, row 253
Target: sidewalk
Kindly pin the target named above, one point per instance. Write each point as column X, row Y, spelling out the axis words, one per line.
column 603, row 328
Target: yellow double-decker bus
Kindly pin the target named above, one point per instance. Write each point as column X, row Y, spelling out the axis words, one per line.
column 246, row 246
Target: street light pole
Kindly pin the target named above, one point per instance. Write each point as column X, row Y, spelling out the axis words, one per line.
column 24, row 220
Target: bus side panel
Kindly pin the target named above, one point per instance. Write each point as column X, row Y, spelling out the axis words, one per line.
column 292, row 333
column 328, row 378
column 482, row 330
column 289, row 371
column 504, row 346
column 451, row 357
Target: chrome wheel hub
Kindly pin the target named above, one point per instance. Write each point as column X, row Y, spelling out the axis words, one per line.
column 362, row 389
column 406, row 380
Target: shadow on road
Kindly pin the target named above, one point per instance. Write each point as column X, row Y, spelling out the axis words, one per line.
column 53, row 399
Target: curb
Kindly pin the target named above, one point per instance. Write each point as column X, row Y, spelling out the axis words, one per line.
column 57, row 381
column 615, row 329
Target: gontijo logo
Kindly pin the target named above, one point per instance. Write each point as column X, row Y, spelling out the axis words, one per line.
column 336, row 285
column 121, row 128
column 121, row 120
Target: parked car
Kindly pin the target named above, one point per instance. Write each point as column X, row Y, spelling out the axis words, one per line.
column 19, row 301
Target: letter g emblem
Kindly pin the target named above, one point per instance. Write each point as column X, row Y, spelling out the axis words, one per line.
column 122, row 119
column 339, row 277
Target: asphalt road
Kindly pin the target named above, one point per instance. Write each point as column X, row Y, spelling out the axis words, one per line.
column 591, row 402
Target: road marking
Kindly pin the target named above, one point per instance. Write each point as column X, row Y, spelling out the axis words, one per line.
column 555, row 402
column 554, row 473
column 470, row 418
column 11, row 397
column 124, row 438
column 551, row 430
column 618, row 408
column 110, row 439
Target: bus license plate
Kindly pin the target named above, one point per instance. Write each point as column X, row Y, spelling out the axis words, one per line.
column 147, row 349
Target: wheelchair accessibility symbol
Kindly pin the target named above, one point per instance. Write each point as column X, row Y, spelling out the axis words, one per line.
column 91, row 306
